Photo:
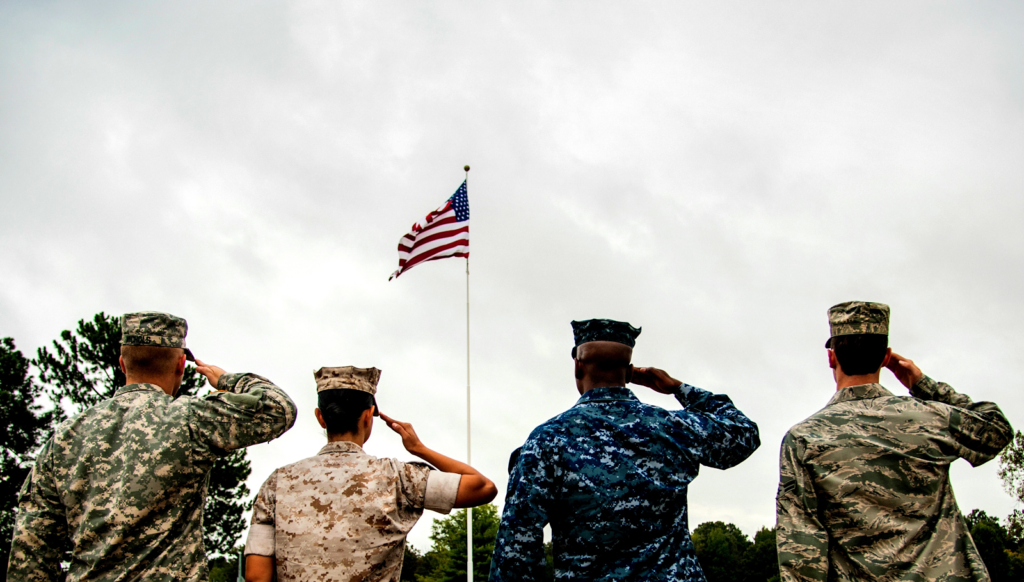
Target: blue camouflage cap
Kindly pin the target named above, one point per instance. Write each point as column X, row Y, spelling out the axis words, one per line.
column 153, row 328
column 603, row 330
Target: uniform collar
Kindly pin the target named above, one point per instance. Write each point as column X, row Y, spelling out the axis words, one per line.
column 340, row 447
column 607, row 394
column 139, row 388
column 859, row 392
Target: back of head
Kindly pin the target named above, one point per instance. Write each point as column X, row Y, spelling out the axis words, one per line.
column 605, row 362
column 859, row 335
column 150, row 361
column 603, row 351
column 342, row 408
column 860, row 354
column 343, row 394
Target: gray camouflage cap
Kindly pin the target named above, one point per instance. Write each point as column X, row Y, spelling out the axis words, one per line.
column 153, row 328
column 858, row 318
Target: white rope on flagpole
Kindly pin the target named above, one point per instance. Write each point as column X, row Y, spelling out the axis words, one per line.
column 469, row 427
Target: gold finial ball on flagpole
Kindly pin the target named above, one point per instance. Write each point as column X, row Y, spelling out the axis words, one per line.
column 466, row 168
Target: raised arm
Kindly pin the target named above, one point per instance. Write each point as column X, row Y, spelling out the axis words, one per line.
column 729, row 436
column 979, row 430
column 41, row 528
column 245, row 410
column 799, row 535
column 474, row 488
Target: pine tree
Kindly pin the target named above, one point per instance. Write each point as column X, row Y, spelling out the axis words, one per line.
column 23, row 425
column 83, row 369
column 446, row 560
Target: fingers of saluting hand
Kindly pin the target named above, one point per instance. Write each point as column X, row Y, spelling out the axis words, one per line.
column 399, row 427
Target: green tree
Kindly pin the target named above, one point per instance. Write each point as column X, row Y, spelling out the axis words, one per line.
column 990, row 538
column 761, row 560
column 446, row 560
column 23, row 425
column 721, row 548
column 1011, row 471
column 83, row 369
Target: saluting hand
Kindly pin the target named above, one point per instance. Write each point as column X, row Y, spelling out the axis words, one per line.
column 655, row 379
column 212, row 373
column 905, row 370
column 410, row 440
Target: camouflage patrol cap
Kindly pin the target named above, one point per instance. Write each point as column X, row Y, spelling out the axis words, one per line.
column 153, row 328
column 603, row 330
column 858, row 318
column 349, row 378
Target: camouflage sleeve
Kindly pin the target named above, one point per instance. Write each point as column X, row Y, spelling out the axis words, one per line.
column 251, row 410
column 519, row 546
column 978, row 430
column 261, row 540
column 41, row 528
column 800, row 537
column 728, row 436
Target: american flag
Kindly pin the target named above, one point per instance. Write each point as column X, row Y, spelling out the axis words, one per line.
column 444, row 233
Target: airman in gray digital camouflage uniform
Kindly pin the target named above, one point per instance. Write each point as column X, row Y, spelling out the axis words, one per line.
column 124, row 482
column 343, row 514
column 864, row 491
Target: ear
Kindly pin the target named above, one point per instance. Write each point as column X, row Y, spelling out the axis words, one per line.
column 578, row 369
column 180, row 369
column 885, row 360
column 120, row 362
column 833, row 362
column 366, row 423
column 629, row 374
column 320, row 418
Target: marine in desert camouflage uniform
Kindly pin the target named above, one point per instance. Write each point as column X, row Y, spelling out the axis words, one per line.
column 864, row 490
column 124, row 482
column 611, row 474
column 344, row 515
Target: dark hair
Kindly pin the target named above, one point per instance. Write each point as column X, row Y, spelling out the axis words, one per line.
column 150, row 360
column 860, row 354
column 341, row 409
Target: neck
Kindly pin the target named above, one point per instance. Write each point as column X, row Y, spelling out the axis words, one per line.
column 843, row 381
column 586, row 385
column 349, row 437
column 166, row 384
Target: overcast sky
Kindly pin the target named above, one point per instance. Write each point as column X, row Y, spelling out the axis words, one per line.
column 718, row 173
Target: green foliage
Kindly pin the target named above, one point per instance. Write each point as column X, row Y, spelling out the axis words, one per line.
column 995, row 545
column 727, row 555
column 446, row 560
column 22, row 427
column 83, row 369
column 1011, row 471
column 225, row 568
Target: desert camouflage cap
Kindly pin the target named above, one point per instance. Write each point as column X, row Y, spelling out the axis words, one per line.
column 858, row 318
column 347, row 378
column 153, row 328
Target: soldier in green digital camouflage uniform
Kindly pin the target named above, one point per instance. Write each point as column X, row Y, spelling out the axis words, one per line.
column 123, row 484
column 864, row 491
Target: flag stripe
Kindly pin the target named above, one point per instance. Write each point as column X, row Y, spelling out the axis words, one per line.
column 443, row 233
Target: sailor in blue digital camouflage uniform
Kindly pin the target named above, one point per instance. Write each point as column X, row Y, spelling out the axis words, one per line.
column 610, row 474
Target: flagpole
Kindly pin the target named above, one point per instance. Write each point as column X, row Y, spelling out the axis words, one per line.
column 469, row 428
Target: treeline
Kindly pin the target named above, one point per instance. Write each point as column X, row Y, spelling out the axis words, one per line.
column 726, row 554
column 78, row 370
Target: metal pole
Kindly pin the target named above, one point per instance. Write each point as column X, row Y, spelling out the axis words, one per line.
column 469, row 429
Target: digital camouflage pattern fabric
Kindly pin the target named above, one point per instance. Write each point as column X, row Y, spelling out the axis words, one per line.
column 607, row 330
column 864, row 491
column 347, row 378
column 611, row 475
column 343, row 515
column 125, row 481
column 857, row 318
column 153, row 328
